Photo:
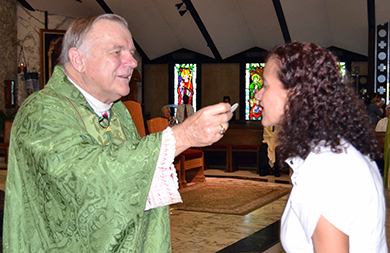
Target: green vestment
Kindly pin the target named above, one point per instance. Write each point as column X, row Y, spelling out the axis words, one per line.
column 69, row 190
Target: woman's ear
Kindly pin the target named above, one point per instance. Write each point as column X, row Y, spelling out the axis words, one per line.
column 77, row 59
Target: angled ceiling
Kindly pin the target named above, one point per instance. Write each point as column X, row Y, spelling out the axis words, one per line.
column 233, row 26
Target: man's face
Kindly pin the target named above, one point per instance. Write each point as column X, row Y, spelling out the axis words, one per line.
column 108, row 60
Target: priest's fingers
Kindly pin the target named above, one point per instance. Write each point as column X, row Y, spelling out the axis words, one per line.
column 203, row 128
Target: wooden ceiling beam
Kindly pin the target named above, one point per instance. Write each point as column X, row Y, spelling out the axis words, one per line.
column 282, row 21
column 203, row 30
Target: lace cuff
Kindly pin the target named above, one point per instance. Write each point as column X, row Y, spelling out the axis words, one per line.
column 164, row 188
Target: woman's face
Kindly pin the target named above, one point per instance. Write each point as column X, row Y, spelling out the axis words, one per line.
column 272, row 95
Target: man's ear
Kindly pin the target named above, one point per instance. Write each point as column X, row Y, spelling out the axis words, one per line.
column 77, row 59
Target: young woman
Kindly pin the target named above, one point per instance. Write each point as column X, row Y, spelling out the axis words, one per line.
column 337, row 201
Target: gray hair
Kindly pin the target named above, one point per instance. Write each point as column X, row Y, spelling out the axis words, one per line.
column 78, row 30
column 166, row 108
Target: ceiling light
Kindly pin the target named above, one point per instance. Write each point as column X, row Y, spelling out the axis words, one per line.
column 178, row 6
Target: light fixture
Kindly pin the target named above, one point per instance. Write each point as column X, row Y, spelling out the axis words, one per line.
column 182, row 12
column 178, row 6
column 182, row 9
column 22, row 68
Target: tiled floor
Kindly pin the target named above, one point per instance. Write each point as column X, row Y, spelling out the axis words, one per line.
column 206, row 232
column 200, row 232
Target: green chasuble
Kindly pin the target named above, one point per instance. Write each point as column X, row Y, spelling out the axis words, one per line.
column 69, row 190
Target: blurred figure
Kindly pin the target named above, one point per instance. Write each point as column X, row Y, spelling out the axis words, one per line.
column 269, row 165
column 372, row 108
column 184, row 110
column 381, row 105
column 166, row 113
column 382, row 124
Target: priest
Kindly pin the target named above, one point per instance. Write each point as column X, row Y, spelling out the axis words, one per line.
column 80, row 178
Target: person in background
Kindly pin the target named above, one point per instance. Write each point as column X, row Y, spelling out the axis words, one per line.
column 269, row 165
column 372, row 108
column 166, row 113
column 381, row 105
column 381, row 126
column 184, row 110
column 80, row 178
column 337, row 201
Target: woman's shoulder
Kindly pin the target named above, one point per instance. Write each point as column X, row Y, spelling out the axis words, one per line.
column 346, row 158
column 348, row 169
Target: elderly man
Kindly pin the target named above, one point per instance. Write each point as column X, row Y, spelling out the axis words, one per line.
column 80, row 179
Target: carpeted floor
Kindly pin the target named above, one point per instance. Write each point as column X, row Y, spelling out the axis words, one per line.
column 229, row 196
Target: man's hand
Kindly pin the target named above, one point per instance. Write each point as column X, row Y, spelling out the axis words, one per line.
column 203, row 128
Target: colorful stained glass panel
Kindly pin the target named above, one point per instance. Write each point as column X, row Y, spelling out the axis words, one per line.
column 185, row 83
column 253, row 83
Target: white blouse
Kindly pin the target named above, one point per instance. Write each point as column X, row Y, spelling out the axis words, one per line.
column 346, row 189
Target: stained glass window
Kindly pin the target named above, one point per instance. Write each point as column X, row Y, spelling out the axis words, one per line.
column 253, row 83
column 185, row 83
column 341, row 66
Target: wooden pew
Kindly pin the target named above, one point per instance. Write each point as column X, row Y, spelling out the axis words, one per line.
column 239, row 133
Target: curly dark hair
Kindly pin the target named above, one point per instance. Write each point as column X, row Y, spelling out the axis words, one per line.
column 319, row 106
